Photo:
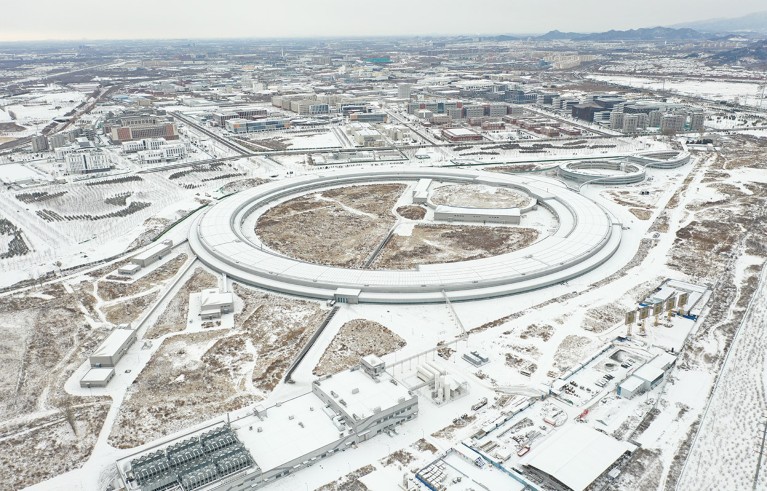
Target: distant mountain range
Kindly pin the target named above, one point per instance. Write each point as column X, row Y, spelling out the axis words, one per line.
column 644, row 34
column 756, row 22
column 755, row 53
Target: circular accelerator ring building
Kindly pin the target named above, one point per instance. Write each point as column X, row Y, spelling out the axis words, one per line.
column 605, row 172
column 586, row 236
column 628, row 170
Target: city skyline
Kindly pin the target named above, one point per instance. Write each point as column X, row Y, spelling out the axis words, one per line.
column 78, row 20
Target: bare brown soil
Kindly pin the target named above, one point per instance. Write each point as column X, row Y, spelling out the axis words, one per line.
column 641, row 213
column 412, row 212
column 543, row 332
column 570, row 351
column 277, row 328
column 42, row 342
column 355, row 339
column 46, row 447
column 174, row 317
column 191, row 378
column 111, row 290
column 339, row 227
column 429, row 244
column 129, row 310
column 350, row 482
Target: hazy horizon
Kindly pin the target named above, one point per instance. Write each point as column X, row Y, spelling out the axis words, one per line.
column 78, row 20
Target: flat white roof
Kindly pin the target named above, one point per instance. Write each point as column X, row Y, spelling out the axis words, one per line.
column 155, row 249
column 95, row 375
column 662, row 360
column 282, row 437
column 648, row 372
column 352, row 292
column 577, row 454
column 112, row 344
column 460, row 132
column 632, row 383
column 215, row 298
column 514, row 212
column 363, row 395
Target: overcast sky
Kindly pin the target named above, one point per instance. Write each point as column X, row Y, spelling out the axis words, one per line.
column 92, row 19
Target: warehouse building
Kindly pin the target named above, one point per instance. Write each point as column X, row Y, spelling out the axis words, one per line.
column 575, row 457
column 646, row 377
column 421, row 191
column 153, row 254
column 113, row 348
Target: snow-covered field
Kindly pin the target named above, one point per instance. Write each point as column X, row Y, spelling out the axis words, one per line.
column 740, row 92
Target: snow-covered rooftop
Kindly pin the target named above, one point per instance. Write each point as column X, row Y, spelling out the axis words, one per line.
column 363, row 396
column 112, row 344
column 288, row 431
column 577, row 454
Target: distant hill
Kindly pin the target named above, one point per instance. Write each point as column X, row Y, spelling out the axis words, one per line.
column 756, row 22
column 754, row 53
column 643, row 34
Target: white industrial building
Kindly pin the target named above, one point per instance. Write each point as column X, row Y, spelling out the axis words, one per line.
column 646, row 377
column 87, row 161
column 421, row 191
column 214, row 303
column 145, row 144
column 164, row 153
column 112, row 348
column 576, row 456
column 482, row 215
column 154, row 253
column 340, row 412
column 365, row 135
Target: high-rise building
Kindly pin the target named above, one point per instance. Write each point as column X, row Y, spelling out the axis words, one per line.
column 59, row 140
column 616, row 120
column 697, row 121
column 404, row 91
column 630, row 123
column 39, row 143
column 653, row 119
column 672, row 122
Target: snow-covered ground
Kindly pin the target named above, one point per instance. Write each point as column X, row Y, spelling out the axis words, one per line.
column 739, row 92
